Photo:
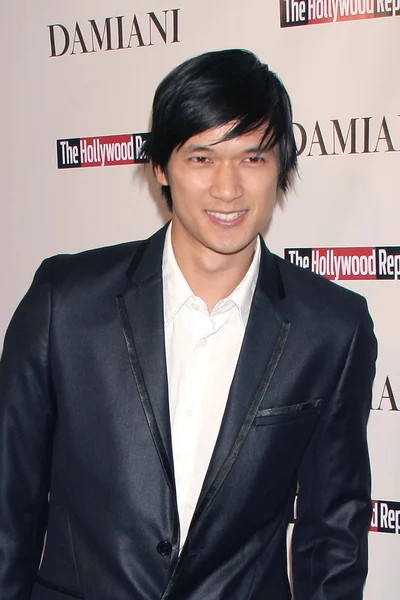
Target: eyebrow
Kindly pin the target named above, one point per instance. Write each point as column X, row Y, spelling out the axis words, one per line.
column 193, row 148
column 253, row 150
column 257, row 150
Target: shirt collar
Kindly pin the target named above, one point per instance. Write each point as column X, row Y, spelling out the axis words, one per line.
column 177, row 290
column 243, row 294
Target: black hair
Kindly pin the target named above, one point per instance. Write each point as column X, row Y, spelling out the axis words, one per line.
column 216, row 88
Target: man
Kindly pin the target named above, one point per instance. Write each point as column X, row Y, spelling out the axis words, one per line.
column 162, row 401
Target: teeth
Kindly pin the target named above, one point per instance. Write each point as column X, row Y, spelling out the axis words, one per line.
column 225, row 217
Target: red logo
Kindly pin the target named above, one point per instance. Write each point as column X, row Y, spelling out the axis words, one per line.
column 311, row 12
column 104, row 151
column 348, row 263
column 385, row 517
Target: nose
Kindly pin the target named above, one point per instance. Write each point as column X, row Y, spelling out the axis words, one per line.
column 226, row 184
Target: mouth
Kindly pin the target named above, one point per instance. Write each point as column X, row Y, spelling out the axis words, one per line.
column 226, row 217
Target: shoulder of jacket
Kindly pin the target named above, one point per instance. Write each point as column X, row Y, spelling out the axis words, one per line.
column 318, row 295
column 90, row 264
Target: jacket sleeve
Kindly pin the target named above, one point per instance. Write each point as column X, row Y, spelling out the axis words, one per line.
column 27, row 418
column 329, row 545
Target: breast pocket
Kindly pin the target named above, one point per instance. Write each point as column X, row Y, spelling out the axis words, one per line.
column 287, row 414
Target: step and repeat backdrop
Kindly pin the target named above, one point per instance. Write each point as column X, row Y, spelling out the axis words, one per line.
column 77, row 85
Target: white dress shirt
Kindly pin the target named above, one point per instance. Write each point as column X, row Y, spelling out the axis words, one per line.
column 202, row 350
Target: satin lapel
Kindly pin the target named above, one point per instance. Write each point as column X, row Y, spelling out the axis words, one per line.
column 262, row 347
column 142, row 319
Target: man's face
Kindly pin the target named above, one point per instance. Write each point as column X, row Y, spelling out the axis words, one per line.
column 223, row 193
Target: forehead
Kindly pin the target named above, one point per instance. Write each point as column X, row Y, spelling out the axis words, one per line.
column 213, row 140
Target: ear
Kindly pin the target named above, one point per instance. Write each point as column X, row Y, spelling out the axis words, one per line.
column 160, row 176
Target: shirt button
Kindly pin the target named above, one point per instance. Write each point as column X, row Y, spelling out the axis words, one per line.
column 203, row 343
column 190, row 411
column 164, row 548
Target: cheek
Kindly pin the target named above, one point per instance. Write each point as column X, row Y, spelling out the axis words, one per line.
column 189, row 186
column 260, row 181
column 264, row 193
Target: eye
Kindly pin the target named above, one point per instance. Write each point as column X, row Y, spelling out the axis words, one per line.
column 254, row 160
column 199, row 159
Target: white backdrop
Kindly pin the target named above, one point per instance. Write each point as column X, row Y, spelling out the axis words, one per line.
column 343, row 78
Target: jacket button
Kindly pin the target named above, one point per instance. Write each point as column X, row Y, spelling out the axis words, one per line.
column 164, row 548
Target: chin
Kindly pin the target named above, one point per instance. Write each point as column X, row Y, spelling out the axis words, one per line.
column 229, row 248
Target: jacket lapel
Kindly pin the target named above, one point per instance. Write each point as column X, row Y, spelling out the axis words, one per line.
column 142, row 318
column 262, row 347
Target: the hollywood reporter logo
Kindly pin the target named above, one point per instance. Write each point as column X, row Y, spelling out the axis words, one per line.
column 348, row 263
column 385, row 517
column 103, row 151
column 314, row 12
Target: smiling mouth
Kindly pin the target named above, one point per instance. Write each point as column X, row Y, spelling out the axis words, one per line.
column 225, row 216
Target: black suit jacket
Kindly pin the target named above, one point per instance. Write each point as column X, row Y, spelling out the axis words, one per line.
column 85, row 424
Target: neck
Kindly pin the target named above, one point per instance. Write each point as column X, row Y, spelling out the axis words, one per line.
column 212, row 276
